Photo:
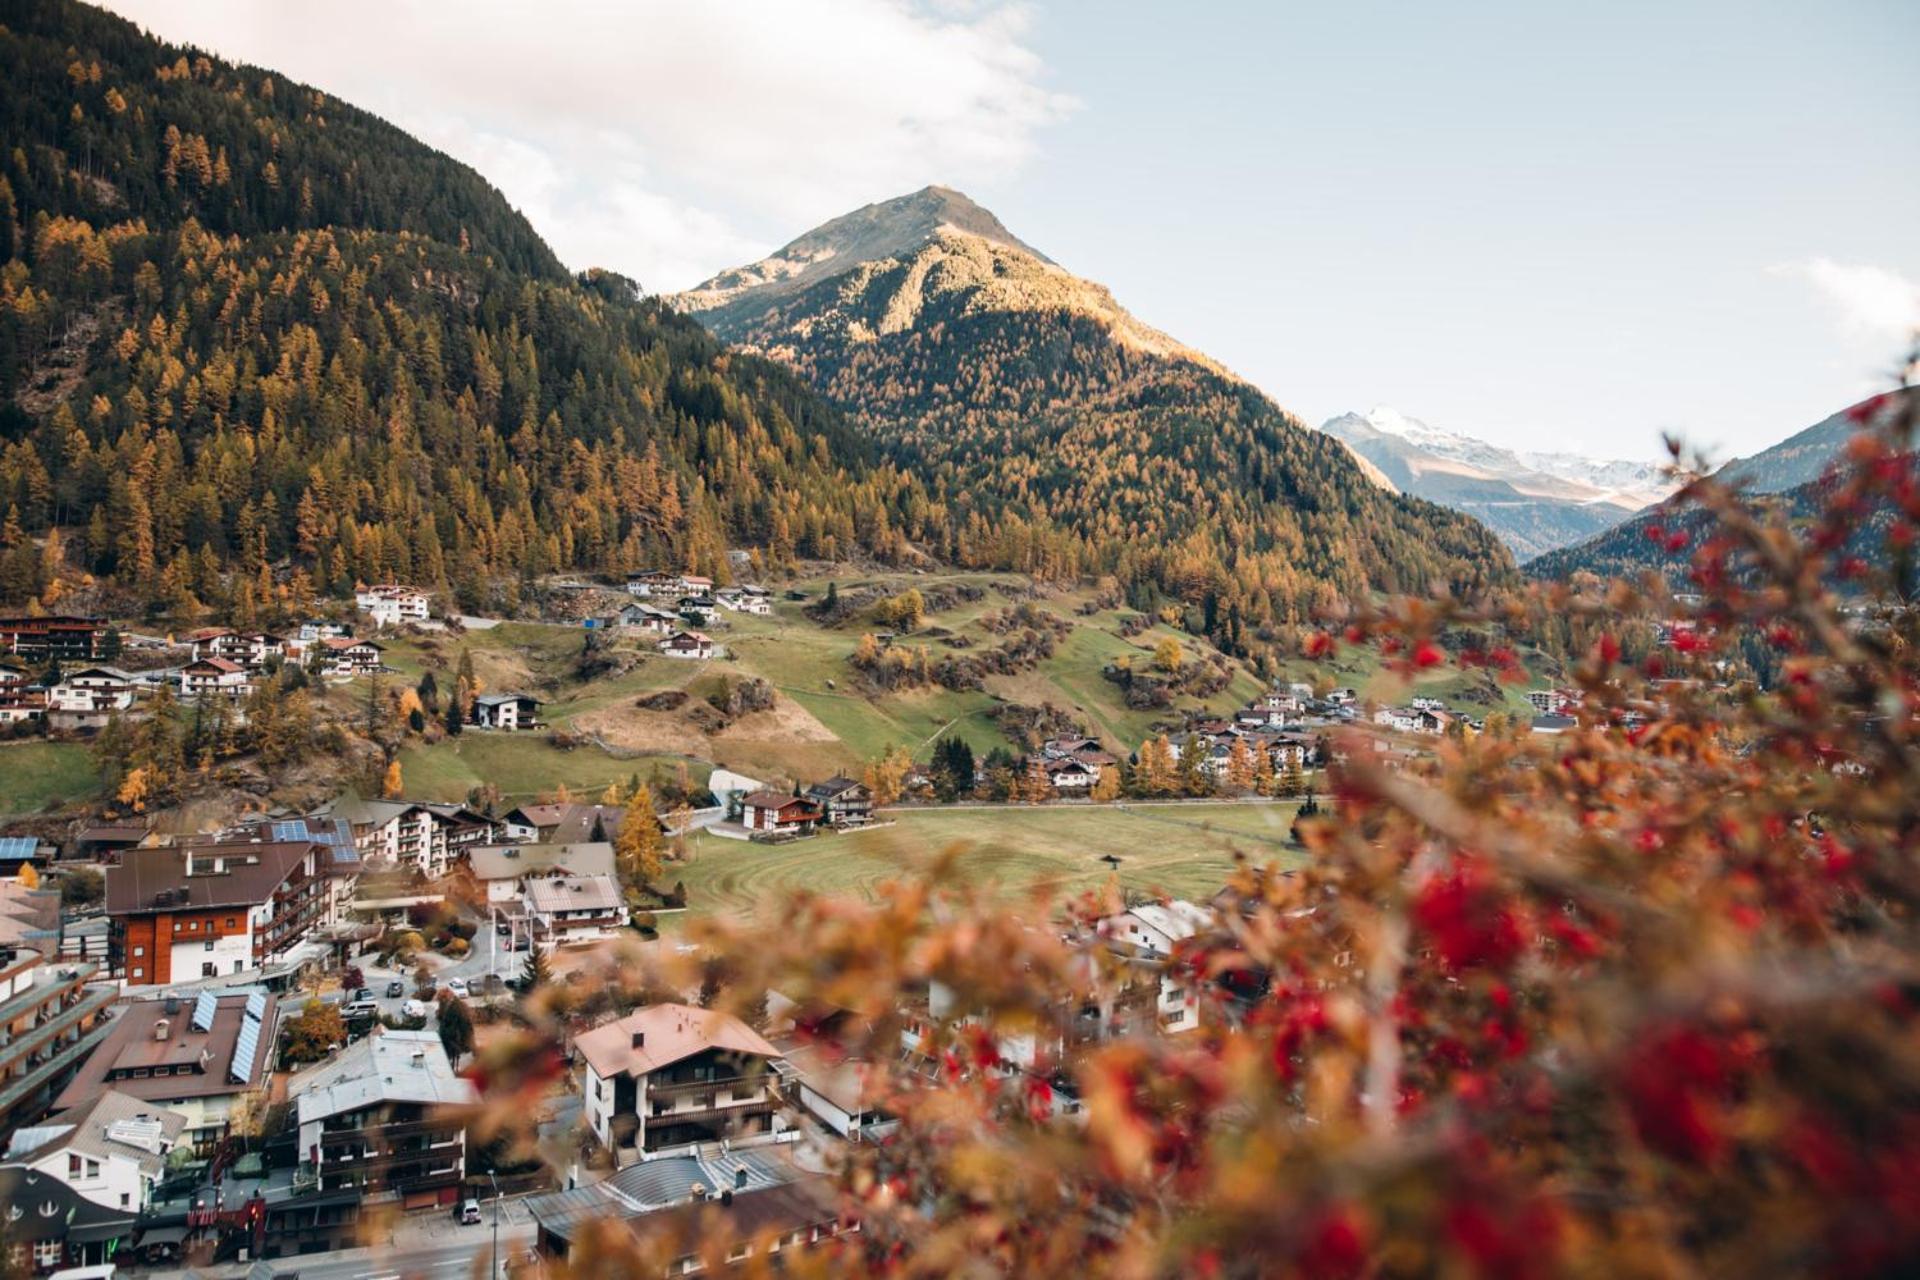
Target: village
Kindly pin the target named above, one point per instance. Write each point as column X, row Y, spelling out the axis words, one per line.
column 254, row 1041
column 239, row 1041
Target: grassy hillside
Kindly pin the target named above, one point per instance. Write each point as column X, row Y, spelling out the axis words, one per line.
column 35, row 776
column 825, row 716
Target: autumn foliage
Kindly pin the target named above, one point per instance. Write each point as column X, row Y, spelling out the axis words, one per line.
column 1638, row 999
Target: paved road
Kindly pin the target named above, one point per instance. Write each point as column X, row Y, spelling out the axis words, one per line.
column 433, row 1248
column 457, row 1257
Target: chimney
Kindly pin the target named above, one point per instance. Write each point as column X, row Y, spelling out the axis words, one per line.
column 726, row 1195
column 740, row 1179
column 639, row 1039
column 160, row 1029
column 699, row 1192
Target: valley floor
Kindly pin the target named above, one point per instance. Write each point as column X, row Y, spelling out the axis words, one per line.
column 1186, row 849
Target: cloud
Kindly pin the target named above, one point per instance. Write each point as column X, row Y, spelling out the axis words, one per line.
column 1871, row 303
column 668, row 138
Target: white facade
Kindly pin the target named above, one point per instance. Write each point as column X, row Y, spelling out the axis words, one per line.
column 1155, row 927
column 110, row 1150
column 198, row 956
column 505, row 711
column 687, row 644
column 390, row 605
column 569, row 910
column 215, row 676
column 74, row 695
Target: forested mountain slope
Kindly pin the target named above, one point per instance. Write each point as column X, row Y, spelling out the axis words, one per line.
column 254, row 340
column 1062, row 435
column 1664, row 539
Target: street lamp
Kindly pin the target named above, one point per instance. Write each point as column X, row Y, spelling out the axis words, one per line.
column 496, row 1223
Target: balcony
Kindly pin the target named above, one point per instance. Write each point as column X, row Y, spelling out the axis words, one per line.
column 23, row 1087
column 42, row 992
column 695, row 1105
column 670, row 1088
column 66, row 1019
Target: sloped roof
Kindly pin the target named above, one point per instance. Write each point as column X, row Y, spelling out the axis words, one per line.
column 131, row 1044
column 1176, row 919
column 51, row 1210
column 253, row 871
column 671, row 1032
column 775, row 800
column 511, row 861
column 573, row 893
column 27, row 914
column 100, row 1127
column 571, row 823
column 388, row 1066
column 363, row 812
column 500, row 699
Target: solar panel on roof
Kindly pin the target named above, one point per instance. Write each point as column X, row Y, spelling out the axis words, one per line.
column 293, row 830
column 243, row 1049
column 19, row 846
column 257, row 1005
column 203, row 1010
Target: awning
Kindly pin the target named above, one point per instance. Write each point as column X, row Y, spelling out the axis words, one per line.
column 100, row 1232
column 162, row 1235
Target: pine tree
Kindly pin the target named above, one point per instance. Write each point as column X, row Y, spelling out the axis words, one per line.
column 456, row 1029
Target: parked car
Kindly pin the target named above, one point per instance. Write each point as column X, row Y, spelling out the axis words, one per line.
column 469, row 1212
column 359, row 1009
column 364, row 993
column 415, row 1009
column 458, row 986
column 396, row 989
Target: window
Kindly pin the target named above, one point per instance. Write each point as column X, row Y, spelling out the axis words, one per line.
column 125, row 1200
column 73, row 1165
column 209, row 944
column 48, row 1254
column 230, row 922
column 193, row 926
column 209, row 970
column 163, row 1071
column 93, row 1168
column 138, row 972
column 139, row 951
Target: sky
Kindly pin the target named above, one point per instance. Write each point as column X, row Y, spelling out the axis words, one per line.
column 1555, row 227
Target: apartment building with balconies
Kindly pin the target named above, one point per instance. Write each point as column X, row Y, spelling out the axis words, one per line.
column 672, row 1076
column 50, row 1018
column 186, row 912
column 384, row 1117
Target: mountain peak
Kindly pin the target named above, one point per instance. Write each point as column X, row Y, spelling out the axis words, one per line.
column 895, row 228
column 879, row 270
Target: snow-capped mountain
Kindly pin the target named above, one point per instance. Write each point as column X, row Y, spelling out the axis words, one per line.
column 1533, row 501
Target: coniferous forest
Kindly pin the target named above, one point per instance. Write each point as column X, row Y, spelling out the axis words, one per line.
column 256, row 342
column 238, row 348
